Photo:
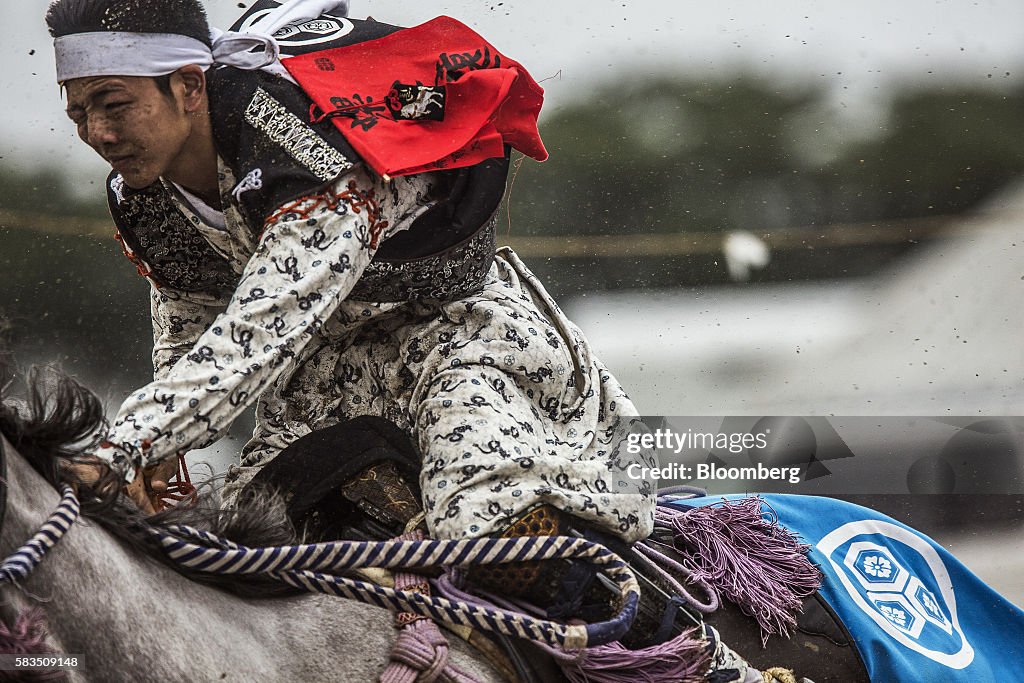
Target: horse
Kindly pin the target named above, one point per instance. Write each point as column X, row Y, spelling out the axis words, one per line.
column 172, row 626
column 111, row 599
column 128, row 612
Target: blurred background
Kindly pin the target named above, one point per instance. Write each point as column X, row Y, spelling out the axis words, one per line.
column 786, row 208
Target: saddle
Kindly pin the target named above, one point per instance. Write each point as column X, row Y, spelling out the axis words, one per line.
column 358, row 480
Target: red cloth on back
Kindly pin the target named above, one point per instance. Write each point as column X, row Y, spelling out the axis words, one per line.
column 491, row 100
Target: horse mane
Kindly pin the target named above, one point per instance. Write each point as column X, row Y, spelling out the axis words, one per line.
column 61, row 421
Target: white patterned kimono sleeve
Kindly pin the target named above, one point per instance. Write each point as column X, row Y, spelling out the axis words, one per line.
column 308, row 259
column 179, row 319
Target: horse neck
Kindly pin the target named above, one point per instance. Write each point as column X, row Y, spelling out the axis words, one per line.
column 28, row 495
column 134, row 619
column 30, row 500
column 99, row 597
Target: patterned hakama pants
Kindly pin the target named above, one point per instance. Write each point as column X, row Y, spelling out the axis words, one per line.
column 500, row 391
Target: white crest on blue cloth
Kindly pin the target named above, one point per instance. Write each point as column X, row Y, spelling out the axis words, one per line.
column 906, row 592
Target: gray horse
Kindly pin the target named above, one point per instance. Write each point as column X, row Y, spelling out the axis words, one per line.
column 117, row 602
column 131, row 618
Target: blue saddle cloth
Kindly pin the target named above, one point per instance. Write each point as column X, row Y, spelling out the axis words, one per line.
column 916, row 613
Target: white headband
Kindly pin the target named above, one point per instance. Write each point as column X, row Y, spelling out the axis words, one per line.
column 119, row 53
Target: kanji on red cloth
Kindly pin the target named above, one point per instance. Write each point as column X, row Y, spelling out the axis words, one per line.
column 435, row 96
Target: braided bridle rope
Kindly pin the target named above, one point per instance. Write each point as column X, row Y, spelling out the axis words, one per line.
column 20, row 564
column 316, row 568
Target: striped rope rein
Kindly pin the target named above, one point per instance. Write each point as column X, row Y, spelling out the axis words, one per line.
column 20, row 564
column 314, row 567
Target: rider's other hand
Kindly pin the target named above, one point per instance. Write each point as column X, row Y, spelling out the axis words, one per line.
column 144, row 490
column 137, row 491
column 158, row 476
column 150, row 483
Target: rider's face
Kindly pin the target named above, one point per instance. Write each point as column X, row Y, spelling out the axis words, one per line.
column 138, row 129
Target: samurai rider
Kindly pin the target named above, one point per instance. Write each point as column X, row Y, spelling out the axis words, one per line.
column 286, row 272
column 361, row 308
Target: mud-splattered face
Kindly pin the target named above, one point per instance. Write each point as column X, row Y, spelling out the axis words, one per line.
column 138, row 129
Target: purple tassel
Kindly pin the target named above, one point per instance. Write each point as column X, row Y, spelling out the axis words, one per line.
column 744, row 553
column 685, row 658
column 28, row 637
